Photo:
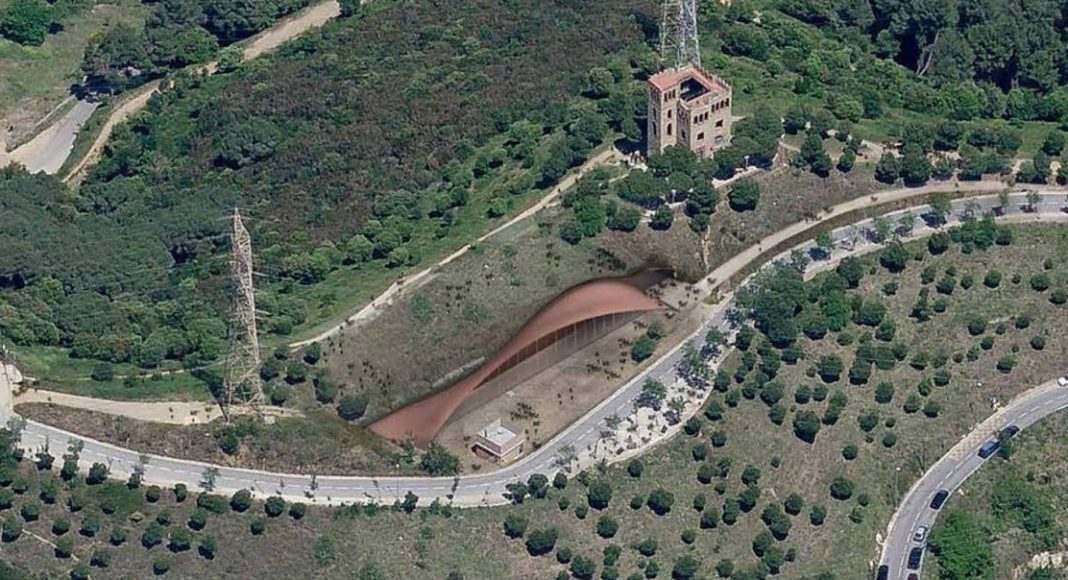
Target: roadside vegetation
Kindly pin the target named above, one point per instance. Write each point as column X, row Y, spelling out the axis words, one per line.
column 793, row 463
column 1009, row 517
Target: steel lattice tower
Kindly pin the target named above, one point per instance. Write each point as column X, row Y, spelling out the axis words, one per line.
column 241, row 385
column 678, row 34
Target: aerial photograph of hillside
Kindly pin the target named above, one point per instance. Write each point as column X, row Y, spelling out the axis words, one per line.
column 542, row 289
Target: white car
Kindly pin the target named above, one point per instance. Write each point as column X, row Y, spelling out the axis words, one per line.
column 920, row 535
column 1063, row 381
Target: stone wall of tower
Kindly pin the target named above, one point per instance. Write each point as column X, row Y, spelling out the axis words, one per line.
column 662, row 129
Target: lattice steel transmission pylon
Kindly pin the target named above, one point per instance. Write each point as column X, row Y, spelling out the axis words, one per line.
column 241, row 384
column 678, row 34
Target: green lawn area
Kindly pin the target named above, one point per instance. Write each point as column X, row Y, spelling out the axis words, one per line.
column 58, row 371
column 34, row 79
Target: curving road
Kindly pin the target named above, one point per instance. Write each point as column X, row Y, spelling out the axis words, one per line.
column 49, row 149
column 954, row 468
column 483, row 488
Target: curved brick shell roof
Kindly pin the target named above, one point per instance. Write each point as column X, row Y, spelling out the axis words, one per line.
column 422, row 420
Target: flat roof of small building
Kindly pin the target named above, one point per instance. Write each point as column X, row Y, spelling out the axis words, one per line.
column 672, row 77
column 498, row 433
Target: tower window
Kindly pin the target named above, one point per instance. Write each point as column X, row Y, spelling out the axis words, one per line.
column 669, row 129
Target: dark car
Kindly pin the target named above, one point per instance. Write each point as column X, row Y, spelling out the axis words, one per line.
column 989, row 448
column 883, row 573
column 913, row 576
column 939, row 499
column 915, row 555
column 1008, row 432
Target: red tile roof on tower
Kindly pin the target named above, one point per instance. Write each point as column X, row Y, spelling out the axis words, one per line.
column 673, row 77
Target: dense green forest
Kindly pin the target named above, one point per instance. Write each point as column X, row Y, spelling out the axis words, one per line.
column 176, row 33
column 350, row 148
column 358, row 147
column 963, row 60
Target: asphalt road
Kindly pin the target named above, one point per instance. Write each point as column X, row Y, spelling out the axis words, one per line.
column 468, row 490
column 954, row 468
column 50, row 148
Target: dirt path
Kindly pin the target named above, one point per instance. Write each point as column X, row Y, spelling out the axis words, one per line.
column 172, row 412
column 386, row 298
column 312, row 17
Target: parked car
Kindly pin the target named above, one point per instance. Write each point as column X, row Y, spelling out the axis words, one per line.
column 1009, row 431
column 988, row 448
column 1063, row 381
column 915, row 556
column 920, row 534
column 939, row 499
column 883, row 573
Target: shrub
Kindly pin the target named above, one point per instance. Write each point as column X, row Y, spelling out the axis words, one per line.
column 647, row 547
column 884, row 393
column 180, row 541
column 699, row 451
column 710, row 518
column 841, row 488
column 1040, row 282
column 541, row 542
column 241, row 500
column 685, row 567
column 932, row 409
column 215, row 504
column 64, row 548
column 607, row 526
column 599, row 494
column 635, row 468
column 98, row 474
column 152, row 536
column 274, row 506
column 161, row 566
column 515, row 525
column 198, row 518
column 207, row 547
column 992, row 279
column 745, row 195
column 660, row 501
column 352, row 407
column 564, row 554
column 849, row 452
column 101, row 558
column 90, row 525
column 817, row 515
column 30, row 512
column 793, row 504
column 257, row 526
